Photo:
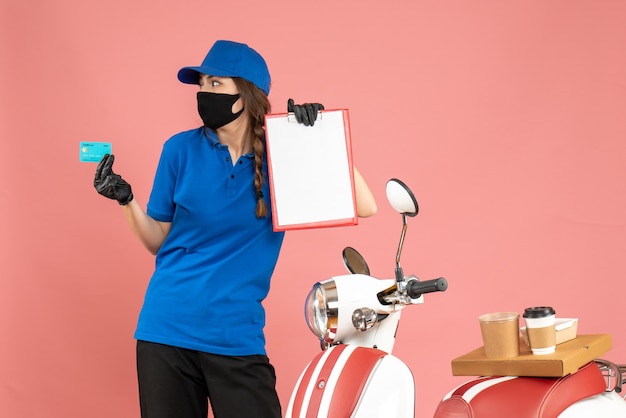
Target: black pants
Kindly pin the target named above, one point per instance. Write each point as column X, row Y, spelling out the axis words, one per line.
column 177, row 383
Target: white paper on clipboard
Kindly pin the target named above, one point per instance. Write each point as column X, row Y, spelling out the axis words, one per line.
column 310, row 171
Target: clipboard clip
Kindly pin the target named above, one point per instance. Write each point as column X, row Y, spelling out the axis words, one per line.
column 291, row 117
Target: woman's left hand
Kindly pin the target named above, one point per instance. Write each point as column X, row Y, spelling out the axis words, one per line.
column 305, row 113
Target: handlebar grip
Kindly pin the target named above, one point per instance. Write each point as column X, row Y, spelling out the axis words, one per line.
column 415, row 288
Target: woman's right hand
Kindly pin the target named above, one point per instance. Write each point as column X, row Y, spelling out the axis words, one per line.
column 111, row 185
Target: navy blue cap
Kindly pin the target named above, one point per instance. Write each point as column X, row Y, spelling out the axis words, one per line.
column 230, row 59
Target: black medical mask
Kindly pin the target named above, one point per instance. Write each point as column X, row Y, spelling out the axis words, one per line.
column 215, row 109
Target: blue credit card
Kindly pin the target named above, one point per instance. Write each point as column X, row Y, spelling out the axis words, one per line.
column 92, row 152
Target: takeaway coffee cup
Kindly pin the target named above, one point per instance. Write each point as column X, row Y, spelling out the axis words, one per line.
column 541, row 330
column 500, row 332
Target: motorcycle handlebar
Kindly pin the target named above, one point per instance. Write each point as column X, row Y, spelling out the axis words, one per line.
column 415, row 288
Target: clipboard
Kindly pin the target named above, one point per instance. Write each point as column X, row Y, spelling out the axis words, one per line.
column 310, row 171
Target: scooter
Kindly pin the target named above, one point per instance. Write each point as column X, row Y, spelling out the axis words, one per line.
column 355, row 318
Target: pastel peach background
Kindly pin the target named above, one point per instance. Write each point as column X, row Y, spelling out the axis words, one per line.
column 506, row 118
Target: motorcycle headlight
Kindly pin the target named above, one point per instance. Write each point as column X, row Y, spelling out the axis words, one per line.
column 320, row 310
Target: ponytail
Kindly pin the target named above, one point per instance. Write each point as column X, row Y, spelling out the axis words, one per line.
column 257, row 105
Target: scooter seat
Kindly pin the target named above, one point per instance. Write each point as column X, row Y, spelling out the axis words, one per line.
column 521, row 397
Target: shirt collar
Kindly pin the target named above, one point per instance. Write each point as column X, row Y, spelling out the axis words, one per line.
column 214, row 140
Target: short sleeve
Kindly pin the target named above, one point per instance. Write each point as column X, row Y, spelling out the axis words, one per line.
column 161, row 203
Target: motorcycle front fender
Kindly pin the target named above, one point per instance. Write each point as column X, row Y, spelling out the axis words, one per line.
column 353, row 381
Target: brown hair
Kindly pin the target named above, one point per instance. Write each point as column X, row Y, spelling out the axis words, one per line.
column 257, row 105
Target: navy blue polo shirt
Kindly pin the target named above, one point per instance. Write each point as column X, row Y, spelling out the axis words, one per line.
column 214, row 268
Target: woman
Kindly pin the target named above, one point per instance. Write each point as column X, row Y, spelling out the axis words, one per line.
column 200, row 330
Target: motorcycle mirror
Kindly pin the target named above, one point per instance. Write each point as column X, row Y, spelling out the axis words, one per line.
column 401, row 198
column 354, row 261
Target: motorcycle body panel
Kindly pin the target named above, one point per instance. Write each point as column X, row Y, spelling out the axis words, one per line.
column 605, row 405
column 352, row 381
column 571, row 396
